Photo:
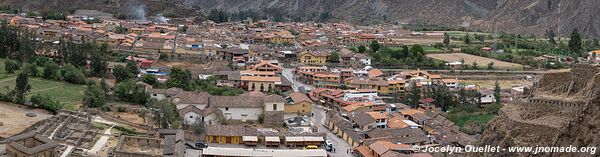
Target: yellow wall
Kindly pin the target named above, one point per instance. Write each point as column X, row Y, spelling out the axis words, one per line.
column 223, row 139
column 298, row 108
column 257, row 86
column 308, row 58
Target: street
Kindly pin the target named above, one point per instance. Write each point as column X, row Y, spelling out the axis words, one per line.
column 341, row 147
column 289, row 74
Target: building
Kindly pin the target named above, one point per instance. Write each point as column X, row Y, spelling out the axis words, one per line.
column 227, row 134
column 298, row 103
column 249, row 108
column 31, row 144
column 247, row 152
column 313, row 57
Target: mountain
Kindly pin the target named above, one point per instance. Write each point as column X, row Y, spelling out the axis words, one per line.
column 515, row 16
column 560, row 110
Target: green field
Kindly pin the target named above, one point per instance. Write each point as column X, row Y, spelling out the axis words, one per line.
column 462, row 119
column 57, row 90
column 60, row 91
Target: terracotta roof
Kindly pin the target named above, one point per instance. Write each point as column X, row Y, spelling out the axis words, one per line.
column 378, row 115
column 397, row 122
column 375, row 73
column 235, row 101
column 273, row 98
column 254, row 94
column 449, row 80
column 298, row 97
column 382, row 147
column 265, row 63
column 260, row 79
column 364, row 151
column 190, row 97
column 229, row 130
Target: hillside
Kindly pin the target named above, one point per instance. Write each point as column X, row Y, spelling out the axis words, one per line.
column 515, row 16
column 560, row 110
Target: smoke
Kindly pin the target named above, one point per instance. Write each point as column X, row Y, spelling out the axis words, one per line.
column 139, row 12
column 161, row 19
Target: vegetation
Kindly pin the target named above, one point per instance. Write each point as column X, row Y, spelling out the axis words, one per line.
column 165, row 113
column 94, row 96
column 131, row 92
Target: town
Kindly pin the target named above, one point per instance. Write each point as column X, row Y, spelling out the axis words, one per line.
column 95, row 84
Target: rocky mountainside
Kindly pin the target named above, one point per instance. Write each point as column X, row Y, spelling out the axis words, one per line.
column 516, row 16
column 560, row 110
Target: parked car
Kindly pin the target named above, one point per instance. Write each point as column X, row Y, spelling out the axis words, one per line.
column 201, row 145
column 328, row 145
column 311, row 147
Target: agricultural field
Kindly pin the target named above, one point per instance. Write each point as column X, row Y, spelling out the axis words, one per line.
column 470, row 59
column 504, row 84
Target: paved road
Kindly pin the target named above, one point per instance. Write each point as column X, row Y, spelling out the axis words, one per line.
column 289, row 74
column 318, row 119
column 341, row 147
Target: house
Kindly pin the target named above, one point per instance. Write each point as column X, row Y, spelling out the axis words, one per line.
column 264, row 81
column 298, row 103
column 267, row 66
column 384, row 148
column 450, row 83
column 227, row 134
column 487, row 96
column 313, row 57
column 366, row 121
column 192, row 115
column 250, row 108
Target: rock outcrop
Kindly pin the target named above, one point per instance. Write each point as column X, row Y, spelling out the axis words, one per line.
column 560, row 110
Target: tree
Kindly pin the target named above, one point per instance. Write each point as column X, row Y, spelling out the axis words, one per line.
column 73, row 75
column 575, row 43
column 334, row 57
column 497, row 92
column 446, row 41
column 32, row 70
column 11, row 66
column 94, row 96
column 362, row 49
column 374, row 46
column 131, row 92
column 46, row 102
column 550, row 36
column 98, row 65
column 149, row 79
column 415, row 95
column 490, row 66
column 165, row 113
column 121, row 74
column 467, row 39
column 179, row 78
column 22, row 87
column 51, row 71
column 132, row 67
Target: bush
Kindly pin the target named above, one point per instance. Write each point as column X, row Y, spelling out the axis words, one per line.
column 46, row 103
column 94, row 96
column 11, row 66
column 73, row 75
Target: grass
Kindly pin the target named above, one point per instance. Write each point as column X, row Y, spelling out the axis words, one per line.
column 67, row 93
column 60, row 91
column 462, row 119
